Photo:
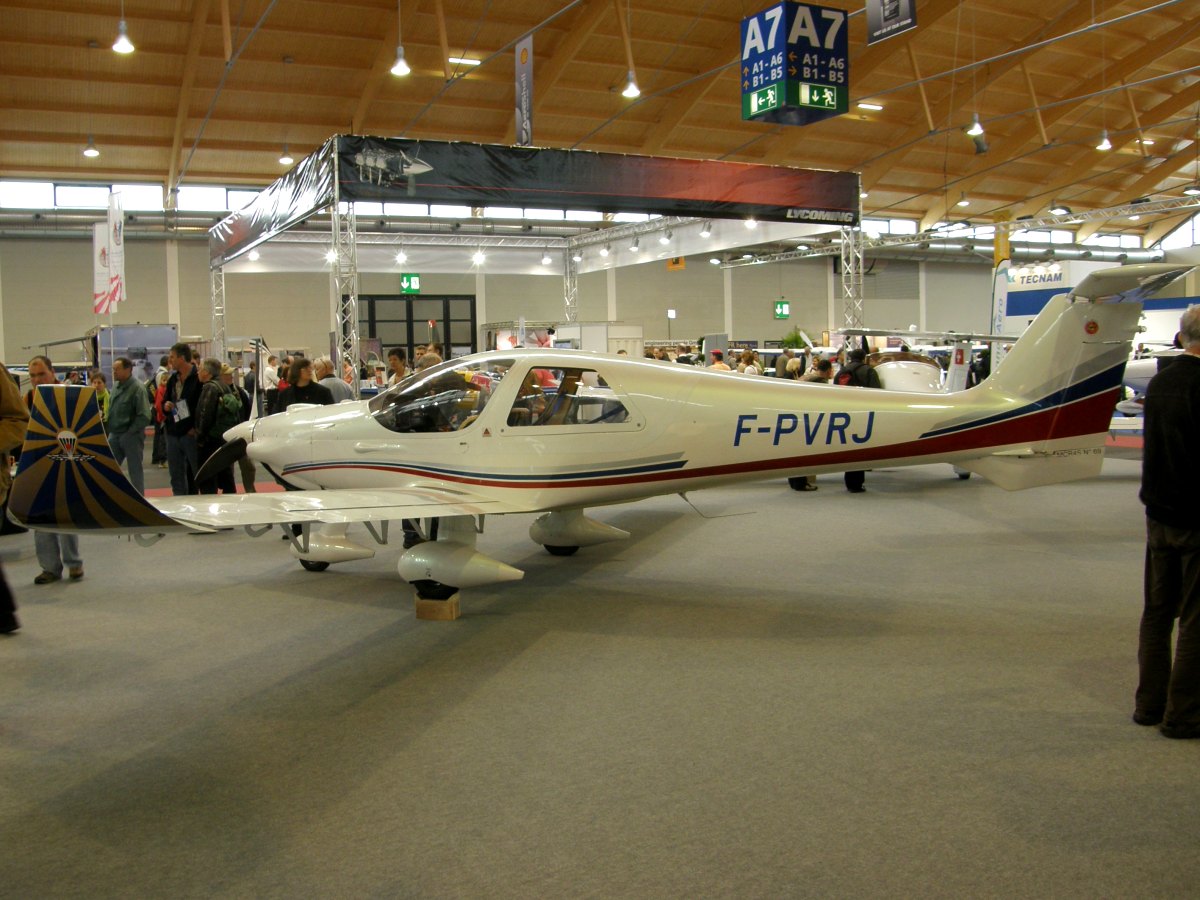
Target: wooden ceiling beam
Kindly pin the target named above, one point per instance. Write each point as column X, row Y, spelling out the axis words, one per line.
column 200, row 10
column 1070, row 17
column 1160, row 113
column 1018, row 141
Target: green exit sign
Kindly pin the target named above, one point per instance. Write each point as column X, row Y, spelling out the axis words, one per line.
column 410, row 283
column 820, row 96
column 783, row 309
column 755, row 103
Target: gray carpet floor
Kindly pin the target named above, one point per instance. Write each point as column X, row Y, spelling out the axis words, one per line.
column 923, row 690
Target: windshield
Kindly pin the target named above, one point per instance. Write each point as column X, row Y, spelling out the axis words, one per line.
column 447, row 397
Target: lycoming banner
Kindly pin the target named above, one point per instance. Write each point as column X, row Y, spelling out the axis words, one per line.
column 395, row 170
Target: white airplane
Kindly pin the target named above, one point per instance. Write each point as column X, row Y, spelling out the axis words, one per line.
column 477, row 436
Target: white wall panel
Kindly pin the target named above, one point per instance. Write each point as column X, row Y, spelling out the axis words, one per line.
column 958, row 297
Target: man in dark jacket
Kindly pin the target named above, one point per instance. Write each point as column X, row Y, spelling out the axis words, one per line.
column 1168, row 694
column 857, row 372
column 182, row 400
column 211, row 424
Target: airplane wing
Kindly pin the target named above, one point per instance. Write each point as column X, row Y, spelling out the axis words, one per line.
column 210, row 511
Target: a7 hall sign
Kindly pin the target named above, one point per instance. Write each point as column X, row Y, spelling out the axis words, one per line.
column 795, row 64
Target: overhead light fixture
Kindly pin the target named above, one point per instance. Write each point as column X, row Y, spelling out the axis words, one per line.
column 285, row 158
column 976, row 129
column 478, row 257
column 1105, row 143
column 872, row 106
column 631, row 88
column 1146, row 141
column 1134, row 218
column 963, row 201
column 803, row 247
column 577, row 256
column 665, row 239
column 90, row 150
column 400, row 67
column 401, row 257
column 463, row 61
column 1192, row 190
column 604, row 251
column 123, row 44
column 706, row 229
column 546, row 260
column 752, row 223
column 862, row 195
column 1059, row 210
column 331, row 255
column 253, row 256
column 714, row 260
column 636, row 246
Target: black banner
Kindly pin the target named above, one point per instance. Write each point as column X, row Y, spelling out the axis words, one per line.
column 400, row 171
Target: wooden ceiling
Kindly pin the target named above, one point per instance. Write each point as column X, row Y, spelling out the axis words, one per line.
column 209, row 102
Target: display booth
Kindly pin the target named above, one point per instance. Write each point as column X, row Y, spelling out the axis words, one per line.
column 351, row 168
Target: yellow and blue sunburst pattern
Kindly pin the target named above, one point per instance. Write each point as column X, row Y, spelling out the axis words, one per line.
column 67, row 479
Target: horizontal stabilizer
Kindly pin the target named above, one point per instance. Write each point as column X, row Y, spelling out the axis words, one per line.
column 1020, row 469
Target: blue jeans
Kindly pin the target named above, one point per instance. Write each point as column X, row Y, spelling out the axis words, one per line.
column 182, row 463
column 130, row 446
column 48, row 547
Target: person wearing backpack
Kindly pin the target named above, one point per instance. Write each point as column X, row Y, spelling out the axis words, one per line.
column 857, row 372
column 218, row 410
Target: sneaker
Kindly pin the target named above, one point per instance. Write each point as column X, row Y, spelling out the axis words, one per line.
column 76, row 572
column 46, row 578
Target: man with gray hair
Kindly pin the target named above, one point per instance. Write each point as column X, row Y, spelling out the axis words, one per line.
column 323, row 373
column 1169, row 695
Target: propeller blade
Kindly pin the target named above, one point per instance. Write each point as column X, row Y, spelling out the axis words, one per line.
column 225, row 457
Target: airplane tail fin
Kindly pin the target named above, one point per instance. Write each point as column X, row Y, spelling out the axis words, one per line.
column 1059, row 384
column 67, row 479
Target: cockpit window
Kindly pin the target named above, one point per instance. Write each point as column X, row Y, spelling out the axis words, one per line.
column 447, row 397
column 566, row 397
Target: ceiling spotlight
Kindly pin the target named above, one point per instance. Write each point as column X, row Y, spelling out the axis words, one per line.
column 253, row 256
column 400, row 66
column 715, row 260
column 636, row 246
column 752, row 223
column 577, row 256
column 631, row 88
column 872, row 106
column 401, row 257
column 463, row 61
column 123, row 44
column 706, row 229
column 963, row 201
column 803, row 247
column 1192, row 190
column 976, row 128
column 90, row 150
column 285, row 158
column 665, row 239
column 1134, row 218
column 546, row 260
column 1105, row 143
column 478, row 257
column 1146, row 141
column 1059, row 210
column 331, row 255
column 604, row 251
column 862, row 195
